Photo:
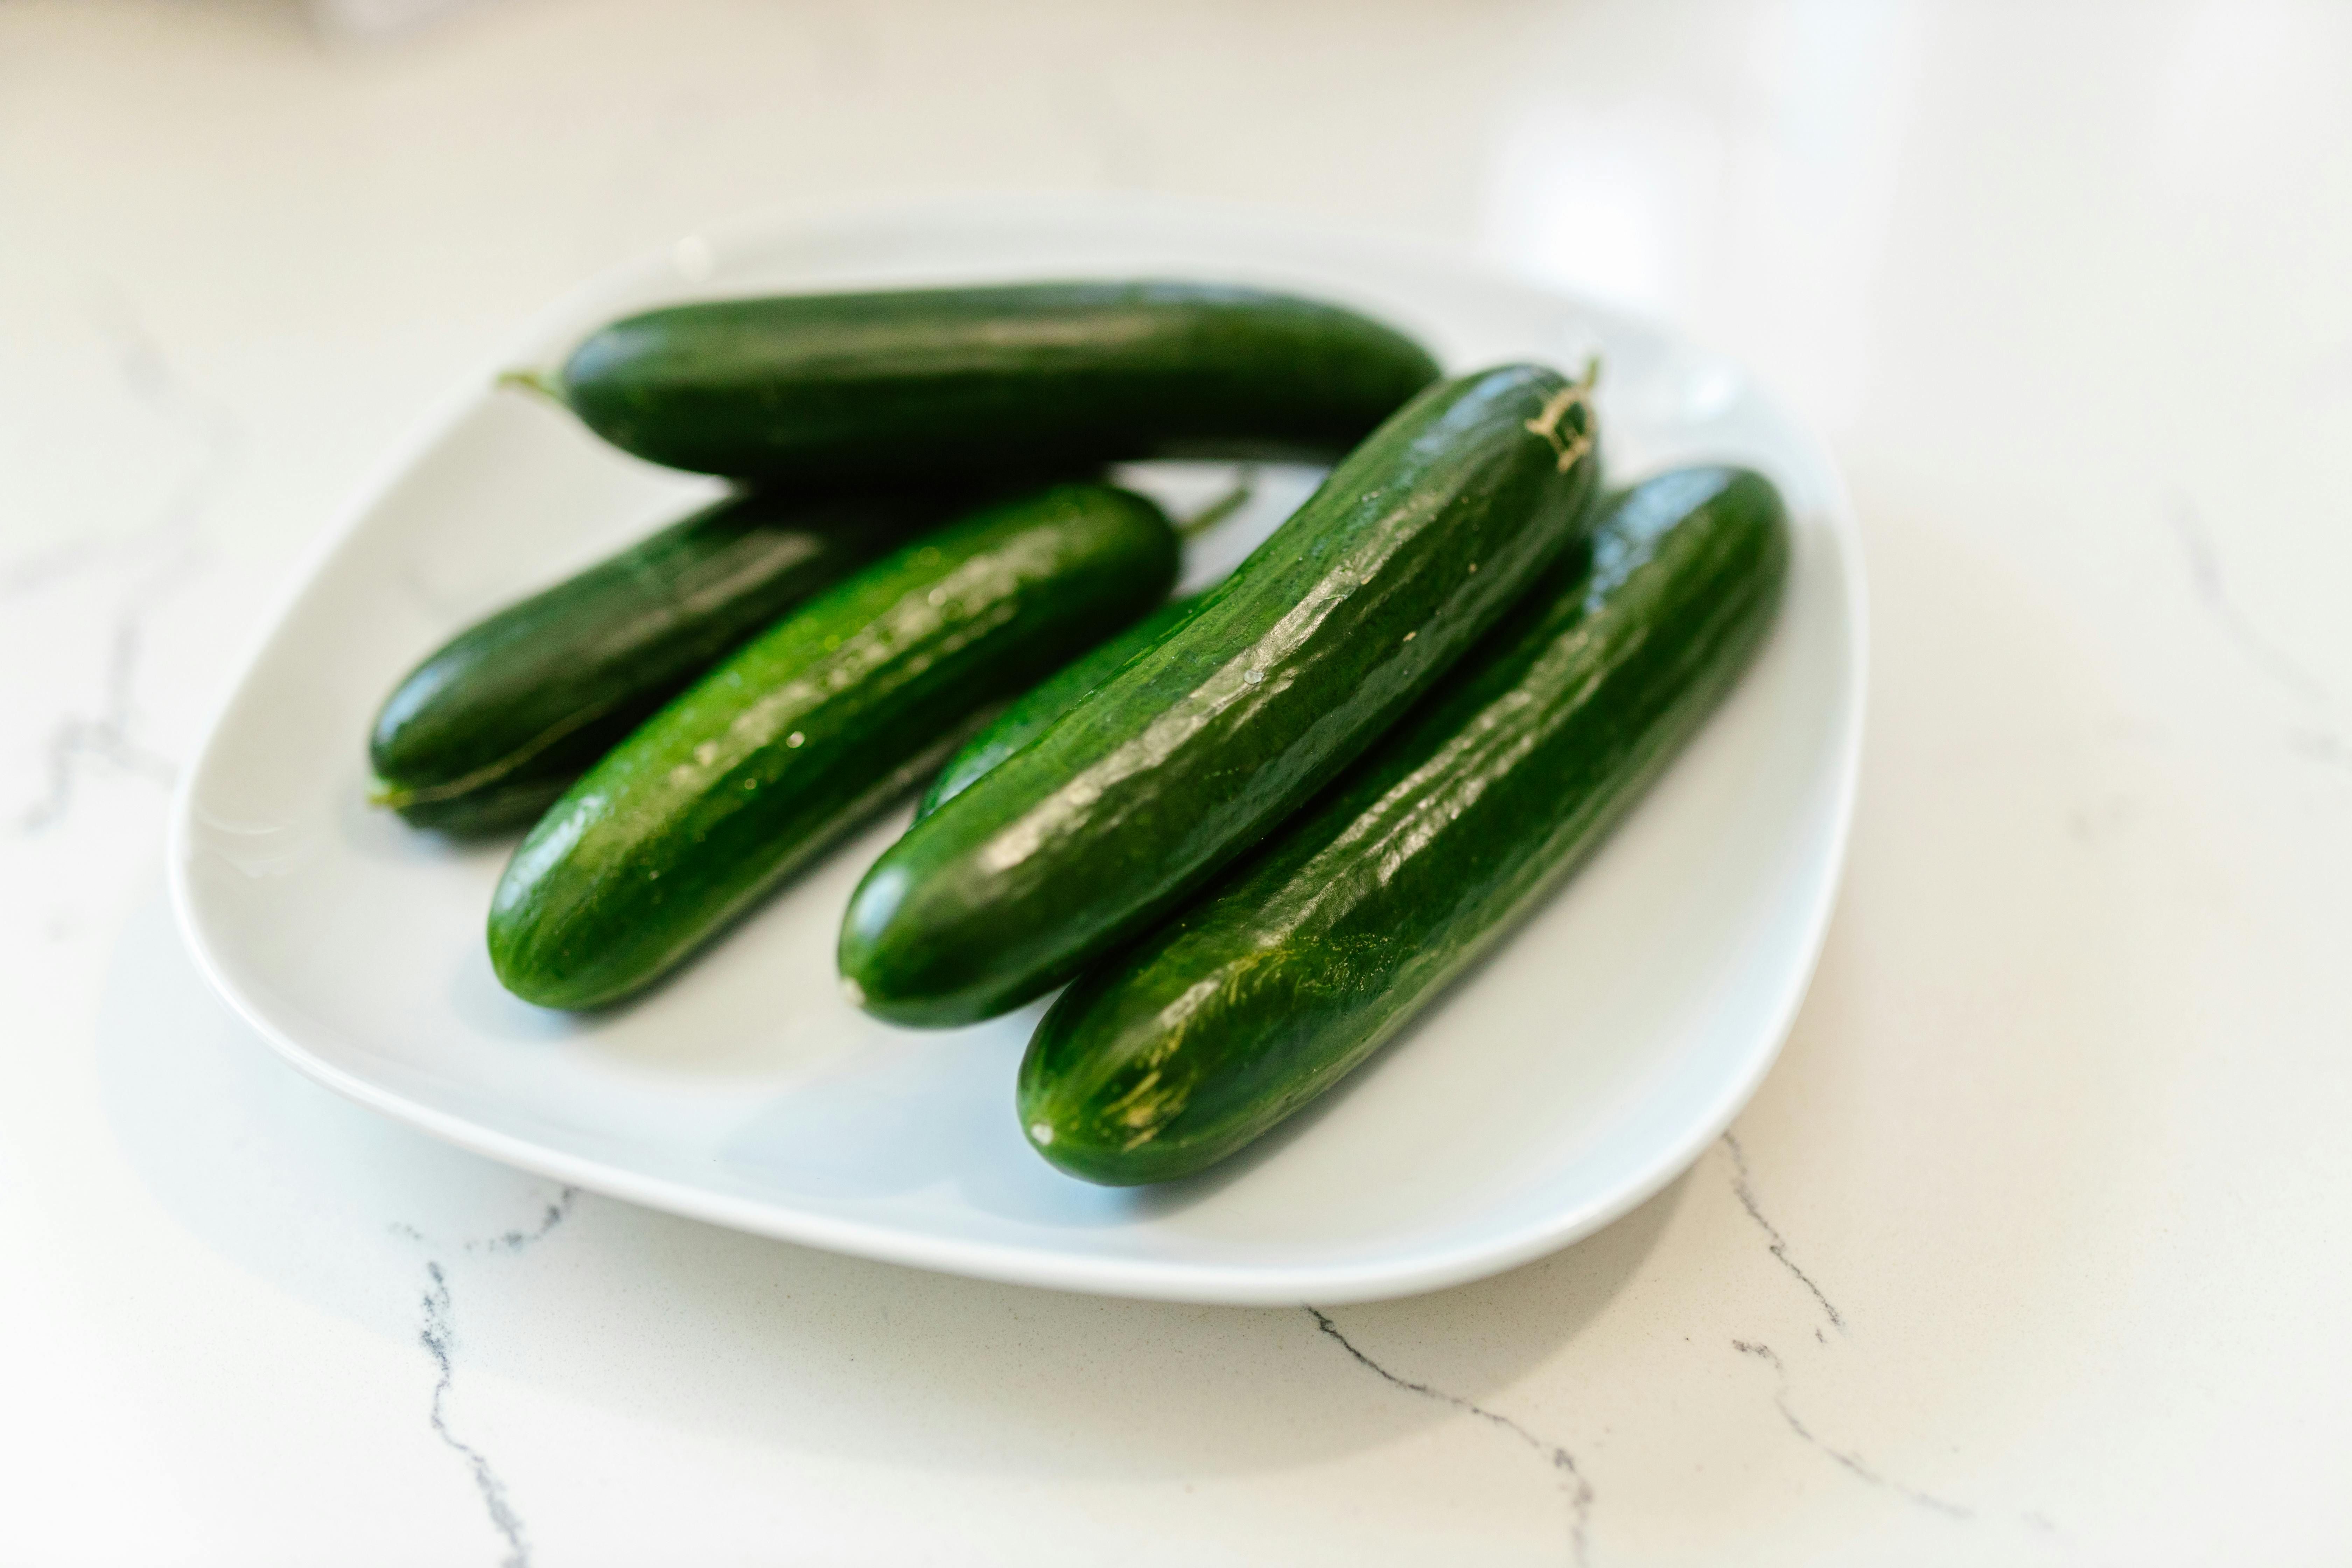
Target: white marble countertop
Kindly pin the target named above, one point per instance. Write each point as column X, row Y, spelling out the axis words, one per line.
column 2032, row 1248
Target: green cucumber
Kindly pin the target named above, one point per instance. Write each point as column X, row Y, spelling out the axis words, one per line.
column 1033, row 713
column 852, row 389
column 1262, row 995
column 808, row 729
column 1414, row 545
column 490, row 729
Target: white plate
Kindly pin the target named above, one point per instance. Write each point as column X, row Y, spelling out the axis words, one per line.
column 1570, row 1077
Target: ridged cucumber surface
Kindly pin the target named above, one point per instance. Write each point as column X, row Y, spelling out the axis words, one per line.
column 851, row 388
column 1035, row 711
column 831, row 714
column 496, row 723
column 1414, row 546
column 1262, row 995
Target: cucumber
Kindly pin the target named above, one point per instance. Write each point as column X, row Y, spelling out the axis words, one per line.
column 1033, row 713
column 1261, row 996
column 1414, row 546
column 852, row 389
column 808, row 728
column 490, row 729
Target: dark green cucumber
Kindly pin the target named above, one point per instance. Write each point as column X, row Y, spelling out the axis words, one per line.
column 1262, row 995
column 1033, row 713
column 806, row 730
column 1414, row 545
column 851, row 388
column 494, row 726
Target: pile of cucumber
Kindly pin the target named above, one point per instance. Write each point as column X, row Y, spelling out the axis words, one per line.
column 1250, row 834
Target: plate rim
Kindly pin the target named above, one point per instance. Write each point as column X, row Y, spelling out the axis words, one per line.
column 1187, row 1282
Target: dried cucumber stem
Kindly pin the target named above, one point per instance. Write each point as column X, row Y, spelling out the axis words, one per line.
column 537, row 381
column 1577, row 394
column 1245, row 492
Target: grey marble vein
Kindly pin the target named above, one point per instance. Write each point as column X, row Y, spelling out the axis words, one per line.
column 1744, row 1189
column 42, row 567
column 518, row 1240
column 2320, row 746
column 1571, row 1480
column 106, row 737
column 438, row 1336
column 552, row 1212
column 158, row 562
column 1853, row 1463
column 2205, row 571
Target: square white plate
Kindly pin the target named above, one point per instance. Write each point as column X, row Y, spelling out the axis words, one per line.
column 1570, row 1077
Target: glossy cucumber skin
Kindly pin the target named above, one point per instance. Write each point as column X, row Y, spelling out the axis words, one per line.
column 850, row 389
column 490, row 729
column 1413, row 547
column 1034, row 712
column 1262, row 995
column 808, row 729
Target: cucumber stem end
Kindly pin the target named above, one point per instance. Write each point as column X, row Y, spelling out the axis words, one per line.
column 537, row 381
column 1244, row 491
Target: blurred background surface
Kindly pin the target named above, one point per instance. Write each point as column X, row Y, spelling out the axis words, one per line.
column 2060, row 1132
